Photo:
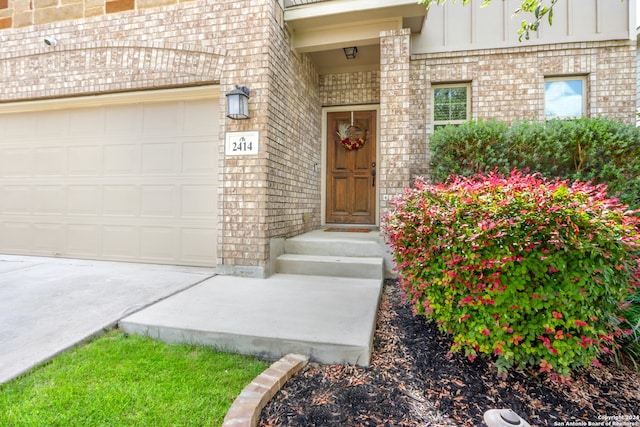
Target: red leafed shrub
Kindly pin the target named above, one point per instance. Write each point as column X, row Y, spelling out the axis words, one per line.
column 528, row 270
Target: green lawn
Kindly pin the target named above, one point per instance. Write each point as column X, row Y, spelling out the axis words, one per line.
column 117, row 380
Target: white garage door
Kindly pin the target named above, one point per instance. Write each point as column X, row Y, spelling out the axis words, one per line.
column 132, row 179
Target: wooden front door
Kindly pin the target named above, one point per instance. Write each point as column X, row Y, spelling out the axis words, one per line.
column 351, row 173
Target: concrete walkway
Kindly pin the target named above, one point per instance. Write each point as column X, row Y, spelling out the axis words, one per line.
column 48, row 305
column 330, row 319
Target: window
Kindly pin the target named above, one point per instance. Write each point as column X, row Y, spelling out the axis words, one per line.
column 564, row 97
column 451, row 104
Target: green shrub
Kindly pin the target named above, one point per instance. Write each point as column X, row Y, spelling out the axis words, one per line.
column 529, row 270
column 470, row 148
column 631, row 342
column 596, row 150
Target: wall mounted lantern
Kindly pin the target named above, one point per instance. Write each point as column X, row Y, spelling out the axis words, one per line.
column 350, row 52
column 238, row 103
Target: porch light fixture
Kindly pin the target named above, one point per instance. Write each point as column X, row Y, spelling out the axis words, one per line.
column 350, row 52
column 238, row 103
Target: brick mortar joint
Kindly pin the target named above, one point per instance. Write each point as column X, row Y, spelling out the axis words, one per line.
column 245, row 409
column 543, row 49
column 182, row 48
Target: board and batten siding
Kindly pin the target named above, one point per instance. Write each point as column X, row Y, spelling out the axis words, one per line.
column 455, row 27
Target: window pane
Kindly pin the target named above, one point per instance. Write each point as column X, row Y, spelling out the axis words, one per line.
column 563, row 98
column 441, row 112
column 450, row 103
column 458, row 111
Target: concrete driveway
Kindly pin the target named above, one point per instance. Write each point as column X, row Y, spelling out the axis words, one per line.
column 48, row 305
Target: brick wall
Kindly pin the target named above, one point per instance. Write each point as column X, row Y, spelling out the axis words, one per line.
column 153, row 48
column 294, row 140
column 241, row 238
column 23, row 13
column 276, row 194
column 350, row 88
column 396, row 152
column 637, row 89
column 508, row 84
column 84, row 68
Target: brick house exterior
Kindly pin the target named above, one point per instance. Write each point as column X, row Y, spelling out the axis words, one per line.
column 289, row 54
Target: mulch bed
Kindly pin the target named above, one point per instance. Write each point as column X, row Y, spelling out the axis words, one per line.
column 411, row 382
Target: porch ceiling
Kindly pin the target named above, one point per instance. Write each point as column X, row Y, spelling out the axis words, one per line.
column 333, row 61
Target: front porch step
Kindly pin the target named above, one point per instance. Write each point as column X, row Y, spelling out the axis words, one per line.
column 333, row 247
column 331, row 265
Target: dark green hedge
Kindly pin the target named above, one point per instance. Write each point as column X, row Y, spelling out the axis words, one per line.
column 598, row 150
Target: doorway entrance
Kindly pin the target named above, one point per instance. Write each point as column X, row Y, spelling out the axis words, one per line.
column 351, row 167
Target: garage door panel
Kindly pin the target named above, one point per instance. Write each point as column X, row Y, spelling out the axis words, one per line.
column 123, row 120
column 50, row 200
column 50, row 161
column 49, row 239
column 17, row 162
column 20, row 127
column 87, row 122
column 17, row 237
column 161, row 158
column 199, row 201
column 17, row 199
column 158, row 243
column 84, row 200
column 134, row 182
column 83, row 240
column 122, row 159
column 159, row 201
column 85, row 161
column 120, row 241
column 121, row 200
column 201, row 117
column 163, row 119
column 199, row 157
column 53, row 124
column 198, row 244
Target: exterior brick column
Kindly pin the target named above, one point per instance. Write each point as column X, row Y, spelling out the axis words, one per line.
column 395, row 101
column 276, row 193
column 242, row 201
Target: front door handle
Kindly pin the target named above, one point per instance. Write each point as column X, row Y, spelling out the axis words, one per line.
column 373, row 178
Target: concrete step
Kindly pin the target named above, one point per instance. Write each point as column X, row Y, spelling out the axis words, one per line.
column 331, row 265
column 334, row 246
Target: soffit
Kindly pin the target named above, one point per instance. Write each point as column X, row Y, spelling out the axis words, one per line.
column 335, row 24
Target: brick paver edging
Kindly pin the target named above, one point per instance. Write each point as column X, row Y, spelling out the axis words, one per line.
column 245, row 410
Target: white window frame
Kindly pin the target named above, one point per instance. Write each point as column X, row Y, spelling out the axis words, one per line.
column 583, row 106
column 434, row 87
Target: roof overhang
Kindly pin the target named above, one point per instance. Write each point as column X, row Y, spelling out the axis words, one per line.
column 340, row 23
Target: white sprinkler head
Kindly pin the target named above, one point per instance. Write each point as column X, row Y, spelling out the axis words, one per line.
column 504, row 418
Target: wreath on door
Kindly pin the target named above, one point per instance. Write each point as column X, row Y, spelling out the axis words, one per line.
column 351, row 137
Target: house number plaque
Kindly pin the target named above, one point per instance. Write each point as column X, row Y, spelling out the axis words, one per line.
column 241, row 143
